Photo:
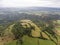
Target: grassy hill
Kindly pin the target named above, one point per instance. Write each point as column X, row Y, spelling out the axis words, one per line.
column 34, row 39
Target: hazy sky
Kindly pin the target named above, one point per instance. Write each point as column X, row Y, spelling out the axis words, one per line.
column 29, row 3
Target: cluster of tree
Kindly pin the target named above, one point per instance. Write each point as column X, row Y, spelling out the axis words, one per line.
column 19, row 31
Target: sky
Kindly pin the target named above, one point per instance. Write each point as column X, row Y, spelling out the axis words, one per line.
column 30, row 3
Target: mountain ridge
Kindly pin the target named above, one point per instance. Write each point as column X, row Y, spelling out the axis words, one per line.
column 31, row 8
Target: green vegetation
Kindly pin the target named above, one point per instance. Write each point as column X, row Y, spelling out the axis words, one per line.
column 36, row 28
column 33, row 41
column 26, row 27
column 26, row 32
column 11, row 43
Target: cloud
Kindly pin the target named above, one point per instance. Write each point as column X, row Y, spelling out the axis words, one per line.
column 52, row 3
column 17, row 3
column 27, row 3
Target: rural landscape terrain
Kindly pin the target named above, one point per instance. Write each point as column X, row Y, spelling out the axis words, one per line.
column 30, row 26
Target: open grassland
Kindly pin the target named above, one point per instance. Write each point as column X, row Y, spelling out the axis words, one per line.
column 32, row 41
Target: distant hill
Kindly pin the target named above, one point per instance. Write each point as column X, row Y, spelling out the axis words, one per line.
column 43, row 9
column 31, row 9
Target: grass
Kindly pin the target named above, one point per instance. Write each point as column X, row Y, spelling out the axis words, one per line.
column 33, row 41
column 58, row 21
column 46, row 42
column 11, row 43
column 36, row 41
column 58, row 28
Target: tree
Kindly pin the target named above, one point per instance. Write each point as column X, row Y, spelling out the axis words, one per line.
column 48, row 29
column 18, row 31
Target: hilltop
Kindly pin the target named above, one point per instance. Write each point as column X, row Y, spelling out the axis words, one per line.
column 33, row 31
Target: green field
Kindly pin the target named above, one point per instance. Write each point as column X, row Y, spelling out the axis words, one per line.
column 32, row 41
